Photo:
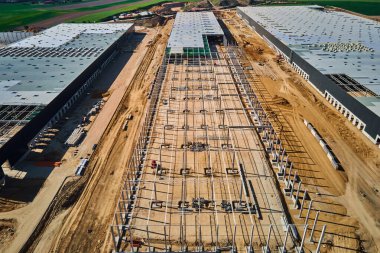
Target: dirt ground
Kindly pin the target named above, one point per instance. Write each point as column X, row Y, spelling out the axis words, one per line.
column 352, row 195
column 7, row 230
column 204, row 86
column 85, row 227
column 30, row 211
column 348, row 200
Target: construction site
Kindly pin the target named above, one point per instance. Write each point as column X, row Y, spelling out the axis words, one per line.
column 206, row 139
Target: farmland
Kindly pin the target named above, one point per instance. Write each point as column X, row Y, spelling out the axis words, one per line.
column 21, row 14
column 99, row 16
column 190, row 126
column 15, row 15
column 366, row 7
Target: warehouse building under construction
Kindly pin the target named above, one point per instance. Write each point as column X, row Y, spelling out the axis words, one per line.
column 41, row 77
column 336, row 52
column 192, row 32
column 200, row 179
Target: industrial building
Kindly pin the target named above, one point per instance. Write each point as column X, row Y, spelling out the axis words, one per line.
column 11, row 37
column 192, row 31
column 41, row 77
column 199, row 179
column 336, row 52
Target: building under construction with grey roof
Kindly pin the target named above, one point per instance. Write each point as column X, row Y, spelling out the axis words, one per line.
column 43, row 75
column 192, row 31
column 336, row 52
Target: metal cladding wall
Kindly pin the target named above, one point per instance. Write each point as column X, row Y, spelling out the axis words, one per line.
column 322, row 82
column 17, row 146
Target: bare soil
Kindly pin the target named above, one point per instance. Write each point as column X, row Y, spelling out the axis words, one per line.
column 348, row 200
column 353, row 193
column 87, row 224
column 35, row 206
column 7, row 230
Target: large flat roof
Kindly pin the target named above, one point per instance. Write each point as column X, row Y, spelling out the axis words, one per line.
column 333, row 42
column 189, row 28
column 338, row 44
column 36, row 69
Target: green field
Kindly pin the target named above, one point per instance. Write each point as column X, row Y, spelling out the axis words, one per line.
column 21, row 14
column 366, row 7
column 100, row 16
column 106, row 5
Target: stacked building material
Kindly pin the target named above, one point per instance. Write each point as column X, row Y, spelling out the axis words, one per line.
column 330, row 155
column 76, row 137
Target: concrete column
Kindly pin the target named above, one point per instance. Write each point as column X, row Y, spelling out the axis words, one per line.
column 302, row 203
column 166, row 246
column 251, row 237
column 308, row 212
column 285, row 240
column 290, row 173
column 321, row 239
column 234, row 239
column 130, row 238
column 266, row 247
column 297, row 194
column 217, row 236
column 303, row 239
column 113, row 239
column 147, row 236
column 313, row 228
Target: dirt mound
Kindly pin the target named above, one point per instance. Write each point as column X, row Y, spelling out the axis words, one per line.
column 7, row 230
column 156, row 8
column 281, row 101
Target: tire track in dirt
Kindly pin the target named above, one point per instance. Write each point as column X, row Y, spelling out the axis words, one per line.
column 351, row 147
column 87, row 226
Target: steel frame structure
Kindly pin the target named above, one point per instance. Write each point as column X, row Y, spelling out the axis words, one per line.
column 13, row 117
column 199, row 179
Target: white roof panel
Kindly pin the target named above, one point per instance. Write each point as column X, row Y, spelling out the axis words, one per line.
column 333, row 42
column 63, row 33
column 36, row 69
column 189, row 27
